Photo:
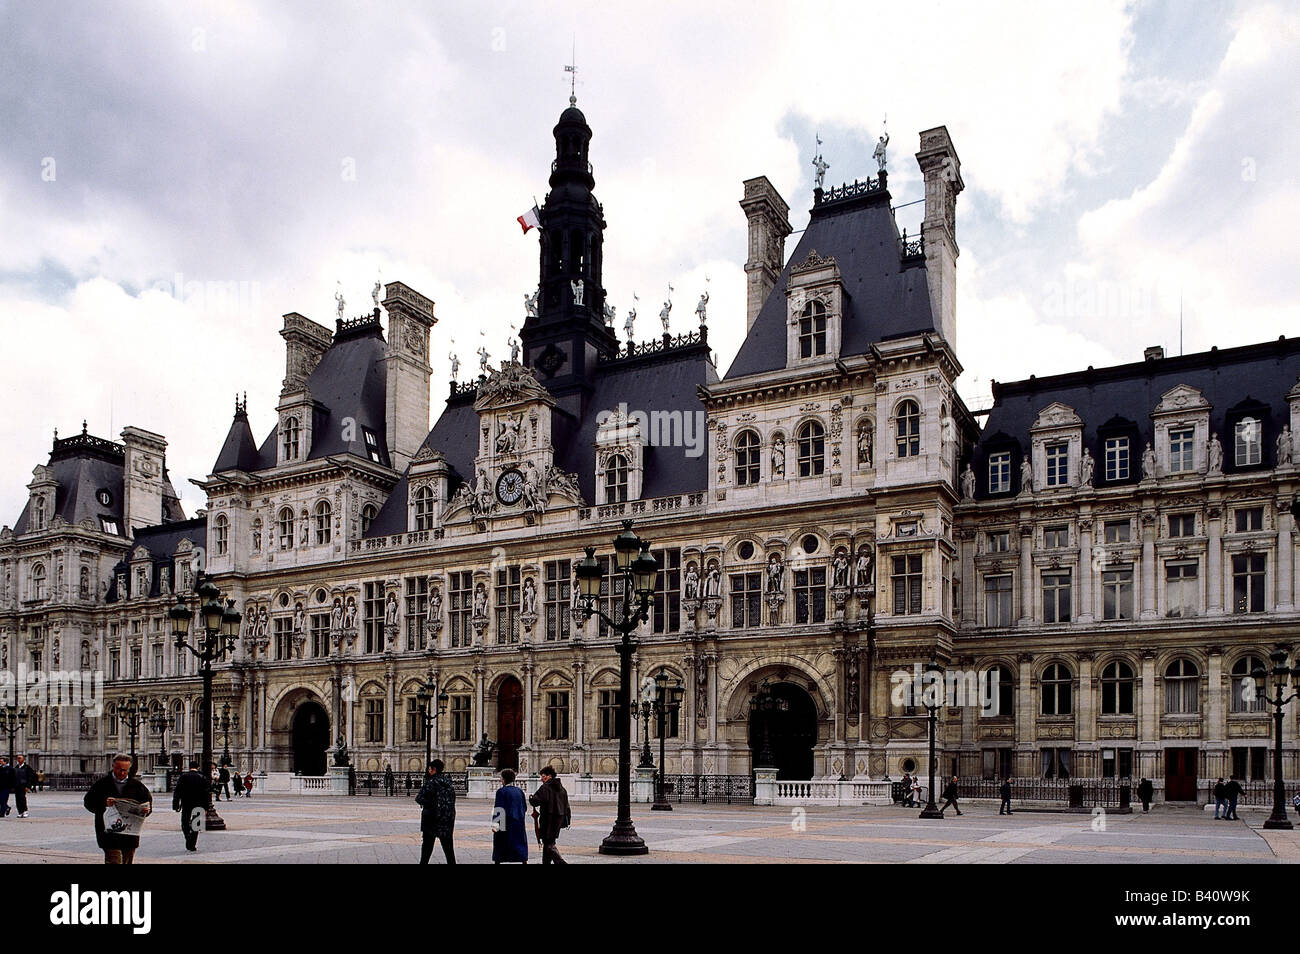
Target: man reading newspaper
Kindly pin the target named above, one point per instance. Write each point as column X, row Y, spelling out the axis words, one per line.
column 120, row 803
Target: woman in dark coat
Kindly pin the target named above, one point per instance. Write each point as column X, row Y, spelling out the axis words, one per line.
column 437, row 801
column 510, row 825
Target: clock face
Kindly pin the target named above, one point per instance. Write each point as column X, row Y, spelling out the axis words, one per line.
column 510, row 487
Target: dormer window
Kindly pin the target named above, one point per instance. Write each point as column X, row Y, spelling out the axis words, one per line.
column 1248, row 442
column 372, row 445
column 1182, row 455
column 424, row 509
column 1000, row 472
column 812, row 330
column 907, row 429
column 747, row 465
column 1117, row 454
column 812, row 449
column 616, row 479
column 291, row 434
column 1058, row 464
column 368, row 513
column 108, row 525
column 38, row 515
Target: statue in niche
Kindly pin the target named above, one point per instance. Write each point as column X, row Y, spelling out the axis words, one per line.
column 864, row 570
column 577, row 288
column 775, row 574
column 390, row 610
column 865, row 449
column 840, row 568
column 480, row 600
column 528, row 598
column 968, row 483
column 691, row 583
column 508, row 433
column 1087, row 468
column 1149, row 463
column 336, row 616
column 778, row 456
column 1284, row 447
column 350, row 614
column 1026, row 475
column 713, row 581
column 1215, row 454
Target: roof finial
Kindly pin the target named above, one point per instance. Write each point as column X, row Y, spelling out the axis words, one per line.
column 572, row 70
column 820, row 165
column 83, row 427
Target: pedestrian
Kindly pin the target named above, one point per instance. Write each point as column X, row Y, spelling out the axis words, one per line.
column 120, row 783
column 24, row 779
column 509, row 826
column 191, row 799
column 437, row 801
column 388, row 780
column 1005, row 792
column 950, row 796
column 6, row 785
column 916, row 791
column 1232, row 788
column 552, row 803
column 215, row 782
column 1220, row 799
column 248, row 784
column 907, row 790
column 1146, row 791
column 223, row 779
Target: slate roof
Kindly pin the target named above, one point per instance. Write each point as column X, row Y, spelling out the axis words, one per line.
column 239, row 452
column 161, row 541
column 883, row 298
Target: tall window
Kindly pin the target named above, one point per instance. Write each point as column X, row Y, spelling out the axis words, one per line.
column 746, row 600
column 1057, row 689
column 1248, row 440
column 1000, row 472
column 1182, row 456
column 999, row 691
column 1248, row 694
column 38, row 518
column 1058, row 464
column 615, row 479
column 1117, row 593
column 461, row 718
column 424, row 509
column 666, row 607
column 1182, row 524
column 1248, row 519
column 282, row 627
column 460, row 593
column 997, row 600
column 38, row 582
column 907, row 429
column 1117, row 686
column 320, row 635
column 415, row 725
column 1056, row 763
column 291, row 434
column 1117, row 458
column 746, row 458
column 1181, row 589
column 507, row 604
column 608, row 710
column 810, row 595
column 1248, row 583
column 323, row 529
column 221, row 534
column 997, row 541
column 557, row 715
column 907, row 584
column 137, row 665
column 368, row 513
column 417, row 608
column 812, row 330
column 373, row 616
column 1056, row 537
column 557, row 596
column 1181, row 679
column 286, row 528
column 812, row 449
column 374, row 710
column 1116, row 531
column 1057, row 601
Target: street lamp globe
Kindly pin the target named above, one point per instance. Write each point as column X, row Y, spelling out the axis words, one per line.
column 626, row 546
column 180, row 616
column 644, row 569
column 589, row 576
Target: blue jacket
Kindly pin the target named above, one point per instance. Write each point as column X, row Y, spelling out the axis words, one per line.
column 510, row 813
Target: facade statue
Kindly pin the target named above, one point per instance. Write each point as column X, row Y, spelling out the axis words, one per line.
column 341, row 755
column 691, row 583
column 840, row 569
column 968, row 483
column 1149, row 463
column 1087, row 468
column 480, row 599
column 1215, row 454
column 508, row 433
column 390, row 610
column 483, row 360
column 1284, row 447
column 702, row 309
column 775, row 574
column 455, row 365
column 865, row 450
column 528, row 597
column 630, row 324
column 530, row 305
column 374, row 292
column 879, row 153
column 340, row 302
column 577, row 288
column 482, row 753
column 778, row 456
column 864, row 570
column 820, row 166
column 434, row 612
column 299, row 620
column 609, row 312
column 336, row 616
column 1026, row 475
column 514, row 349
column 350, row 614
column 713, row 581
column 663, row 314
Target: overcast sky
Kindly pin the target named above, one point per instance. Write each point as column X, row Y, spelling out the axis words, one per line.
column 1118, row 158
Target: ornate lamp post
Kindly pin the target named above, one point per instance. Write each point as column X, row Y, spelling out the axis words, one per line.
column 932, row 705
column 637, row 566
column 427, row 694
column 647, row 708
column 160, row 722
column 135, row 712
column 223, row 724
column 12, row 719
column 213, row 641
column 1279, row 673
column 667, row 699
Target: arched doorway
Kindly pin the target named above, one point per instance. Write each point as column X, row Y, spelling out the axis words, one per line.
column 311, row 737
column 510, row 722
column 788, row 728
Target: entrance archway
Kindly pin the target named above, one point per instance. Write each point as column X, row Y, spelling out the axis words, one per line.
column 790, row 727
column 311, row 737
column 510, row 722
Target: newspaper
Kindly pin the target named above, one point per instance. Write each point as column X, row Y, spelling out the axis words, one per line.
column 125, row 816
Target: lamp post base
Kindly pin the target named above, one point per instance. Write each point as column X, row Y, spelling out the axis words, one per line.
column 931, row 811
column 661, row 807
column 623, row 840
column 213, row 821
column 1278, row 824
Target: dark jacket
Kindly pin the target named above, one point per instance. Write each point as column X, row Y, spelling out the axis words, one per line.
column 24, row 777
column 949, row 791
column 437, row 800
column 1146, row 790
column 95, row 801
column 1219, row 790
column 191, row 791
column 6, row 778
column 1005, row 790
column 1232, row 789
column 552, row 801
column 510, row 812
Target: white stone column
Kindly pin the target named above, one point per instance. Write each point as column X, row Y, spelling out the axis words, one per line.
column 1025, row 725
column 1148, row 731
column 1216, row 696
column 390, row 718
column 1285, row 562
column 969, row 598
column 1214, row 564
column 527, row 733
column 1148, row 524
column 580, row 701
column 1026, row 576
column 712, row 662
column 480, row 703
column 1085, row 572
column 1086, row 719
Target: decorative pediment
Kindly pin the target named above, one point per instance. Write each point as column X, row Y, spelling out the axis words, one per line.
column 1056, row 415
column 140, row 553
column 1180, row 400
column 814, row 261
column 513, row 384
column 426, row 455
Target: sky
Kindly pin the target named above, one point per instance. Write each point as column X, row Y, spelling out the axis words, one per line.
column 175, row 178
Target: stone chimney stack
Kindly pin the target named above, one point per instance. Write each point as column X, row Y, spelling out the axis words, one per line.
column 304, row 343
column 942, row 170
column 142, row 480
column 406, row 368
column 769, row 224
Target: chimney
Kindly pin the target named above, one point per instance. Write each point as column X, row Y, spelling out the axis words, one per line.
column 406, row 369
column 1154, row 353
column 142, row 478
column 942, row 170
column 304, row 343
column 769, row 224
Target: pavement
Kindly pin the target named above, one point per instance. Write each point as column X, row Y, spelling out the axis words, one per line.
column 378, row 830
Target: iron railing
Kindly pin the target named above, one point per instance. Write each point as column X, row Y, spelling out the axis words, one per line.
column 706, row 788
column 405, row 784
column 70, row 781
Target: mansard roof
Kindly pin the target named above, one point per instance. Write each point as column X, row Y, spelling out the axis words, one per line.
column 161, row 542
column 239, row 452
column 886, row 296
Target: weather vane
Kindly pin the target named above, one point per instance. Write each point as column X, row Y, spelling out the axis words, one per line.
column 572, row 70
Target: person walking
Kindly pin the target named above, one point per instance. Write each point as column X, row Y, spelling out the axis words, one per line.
column 907, row 789
column 248, row 784
column 552, row 804
column 509, row 822
column 119, row 783
column 6, row 784
column 916, row 791
column 950, row 796
column 437, row 801
column 1220, row 799
column 223, row 779
column 1146, row 791
column 388, row 780
column 1005, row 792
column 1233, row 790
column 24, row 778
column 190, row 799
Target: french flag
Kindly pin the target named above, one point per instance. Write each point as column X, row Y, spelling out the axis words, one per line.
column 530, row 220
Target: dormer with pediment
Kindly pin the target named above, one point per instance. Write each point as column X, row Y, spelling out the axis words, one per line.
column 141, row 570
column 43, row 491
column 815, row 299
column 1057, row 447
column 1181, row 425
column 1293, row 401
column 620, row 455
column 427, row 494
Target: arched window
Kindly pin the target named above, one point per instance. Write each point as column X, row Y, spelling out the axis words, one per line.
column 286, row 528
column 1181, row 680
column 1249, row 441
column 812, row 449
column 746, row 458
column 1248, row 693
column 1057, row 686
column 999, row 693
column 368, row 513
column 323, row 531
column 38, row 581
column 907, row 429
column 291, row 433
column 1117, row 685
column 221, row 534
column 424, row 509
column 38, row 517
column 113, row 730
column 616, row 479
column 812, row 330
column 257, row 535
column 178, row 713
